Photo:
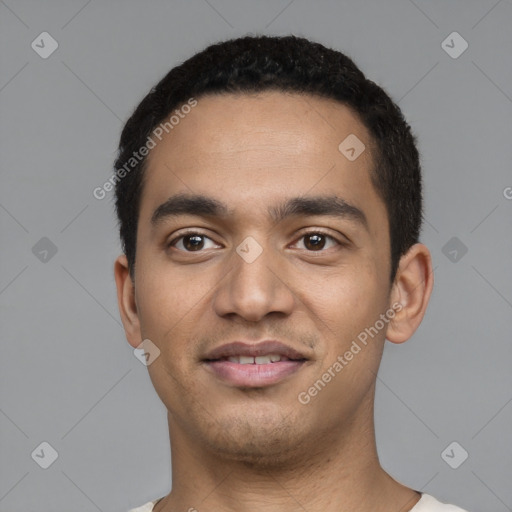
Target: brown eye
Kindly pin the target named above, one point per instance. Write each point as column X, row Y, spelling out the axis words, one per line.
column 192, row 242
column 314, row 241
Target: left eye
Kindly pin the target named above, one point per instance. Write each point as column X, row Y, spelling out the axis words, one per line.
column 191, row 242
column 316, row 241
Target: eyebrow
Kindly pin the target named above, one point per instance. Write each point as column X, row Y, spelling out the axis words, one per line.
column 187, row 204
column 332, row 206
column 204, row 206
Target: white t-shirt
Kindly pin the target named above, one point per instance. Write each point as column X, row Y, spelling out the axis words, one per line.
column 427, row 503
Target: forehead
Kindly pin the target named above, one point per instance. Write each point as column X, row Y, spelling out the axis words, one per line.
column 273, row 124
column 253, row 148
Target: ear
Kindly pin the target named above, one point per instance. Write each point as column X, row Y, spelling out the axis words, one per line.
column 126, row 301
column 411, row 290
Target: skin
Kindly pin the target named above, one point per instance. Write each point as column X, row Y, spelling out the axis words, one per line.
column 241, row 449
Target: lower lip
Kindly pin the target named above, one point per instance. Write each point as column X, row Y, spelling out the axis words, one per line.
column 253, row 375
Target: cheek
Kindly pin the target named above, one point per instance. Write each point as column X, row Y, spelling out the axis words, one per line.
column 350, row 303
column 171, row 303
column 166, row 312
column 167, row 294
column 161, row 304
column 345, row 299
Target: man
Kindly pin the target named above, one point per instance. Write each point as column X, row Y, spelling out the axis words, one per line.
column 269, row 199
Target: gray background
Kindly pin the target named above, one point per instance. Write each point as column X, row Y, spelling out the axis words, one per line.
column 68, row 376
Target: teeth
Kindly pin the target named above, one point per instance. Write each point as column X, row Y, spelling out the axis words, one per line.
column 262, row 359
column 271, row 358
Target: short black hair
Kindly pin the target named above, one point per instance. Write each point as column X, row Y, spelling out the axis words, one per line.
column 253, row 64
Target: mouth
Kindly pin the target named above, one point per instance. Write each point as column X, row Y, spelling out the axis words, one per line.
column 253, row 365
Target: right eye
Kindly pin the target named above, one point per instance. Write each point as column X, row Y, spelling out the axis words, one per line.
column 191, row 242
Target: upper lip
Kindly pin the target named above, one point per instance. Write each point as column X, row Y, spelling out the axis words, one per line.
column 241, row 348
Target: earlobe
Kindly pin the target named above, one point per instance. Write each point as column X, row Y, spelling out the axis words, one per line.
column 126, row 301
column 411, row 289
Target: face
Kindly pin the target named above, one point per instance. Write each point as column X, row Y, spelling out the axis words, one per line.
column 290, row 243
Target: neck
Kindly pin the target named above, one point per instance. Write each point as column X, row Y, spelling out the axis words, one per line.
column 340, row 474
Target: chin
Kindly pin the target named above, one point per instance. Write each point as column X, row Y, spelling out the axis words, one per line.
column 262, row 441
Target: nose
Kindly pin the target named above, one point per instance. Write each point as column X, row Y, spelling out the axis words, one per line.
column 254, row 288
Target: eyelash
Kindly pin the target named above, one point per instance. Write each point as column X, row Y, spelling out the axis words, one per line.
column 173, row 242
